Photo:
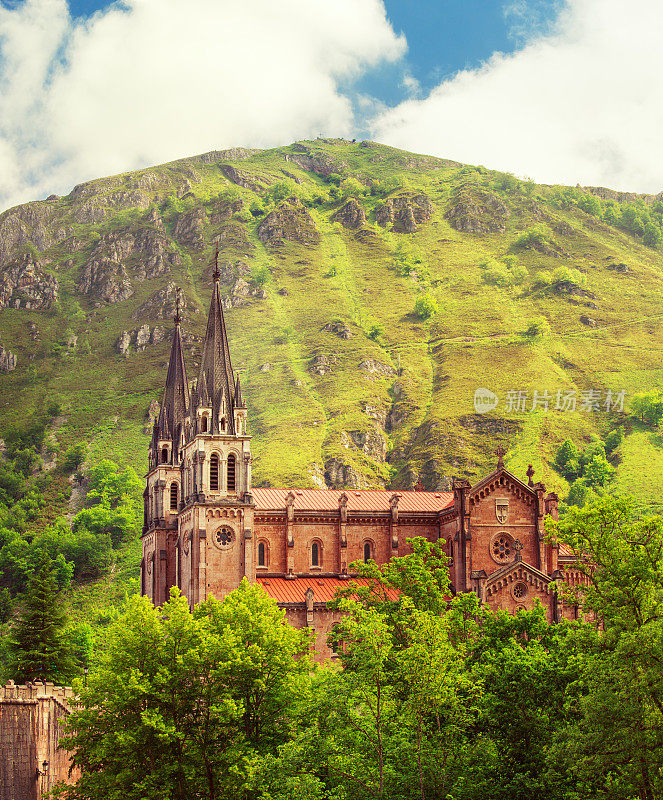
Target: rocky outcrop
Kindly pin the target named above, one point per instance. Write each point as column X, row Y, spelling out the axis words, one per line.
column 377, row 368
column 351, row 215
column 163, row 304
column 339, row 328
column 319, row 163
column 147, row 250
column 139, row 339
column 290, row 221
column 231, row 270
column 622, row 197
column 371, row 442
column 321, row 364
column 475, row 210
column 405, row 212
column 233, row 236
column 224, row 211
column 31, row 223
column 341, row 476
column 8, row 360
column 586, row 320
column 106, row 280
column 25, row 284
column 188, row 229
column 243, row 179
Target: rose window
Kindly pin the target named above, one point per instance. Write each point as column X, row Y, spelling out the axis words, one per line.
column 224, row 537
column 519, row 591
column 502, row 549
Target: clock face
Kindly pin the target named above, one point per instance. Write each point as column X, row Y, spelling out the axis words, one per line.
column 224, row 536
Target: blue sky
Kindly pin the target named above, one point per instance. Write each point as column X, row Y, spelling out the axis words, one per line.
column 562, row 91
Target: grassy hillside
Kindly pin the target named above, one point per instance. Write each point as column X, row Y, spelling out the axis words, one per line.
column 325, row 249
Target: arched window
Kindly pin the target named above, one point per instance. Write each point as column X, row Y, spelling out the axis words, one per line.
column 222, row 425
column 368, row 552
column 142, row 578
column 173, row 496
column 231, row 473
column 214, row 473
column 203, row 424
column 164, row 455
column 262, row 554
column 316, row 555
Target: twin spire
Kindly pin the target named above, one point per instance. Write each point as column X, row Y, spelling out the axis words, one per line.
column 216, row 387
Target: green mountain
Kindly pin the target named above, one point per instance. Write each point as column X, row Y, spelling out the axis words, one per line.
column 369, row 293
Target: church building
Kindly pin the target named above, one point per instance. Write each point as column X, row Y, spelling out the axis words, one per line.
column 205, row 526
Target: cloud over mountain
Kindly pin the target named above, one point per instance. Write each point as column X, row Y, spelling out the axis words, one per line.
column 146, row 81
column 581, row 103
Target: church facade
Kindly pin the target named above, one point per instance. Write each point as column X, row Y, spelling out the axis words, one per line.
column 205, row 527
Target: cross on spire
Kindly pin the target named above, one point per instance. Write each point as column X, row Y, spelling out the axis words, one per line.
column 500, row 453
column 216, row 275
column 530, row 475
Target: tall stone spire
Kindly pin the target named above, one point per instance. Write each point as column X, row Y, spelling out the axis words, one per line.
column 216, row 371
column 175, row 403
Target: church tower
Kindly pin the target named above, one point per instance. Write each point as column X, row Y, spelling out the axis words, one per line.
column 200, row 447
column 163, row 495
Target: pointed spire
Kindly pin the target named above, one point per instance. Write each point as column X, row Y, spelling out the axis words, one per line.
column 203, row 394
column 175, row 403
column 239, row 400
column 215, row 364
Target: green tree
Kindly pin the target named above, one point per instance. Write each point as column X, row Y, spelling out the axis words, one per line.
column 184, row 704
column 616, row 739
column 38, row 649
column 598, row 471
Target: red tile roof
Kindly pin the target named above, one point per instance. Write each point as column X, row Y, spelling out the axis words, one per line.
column 292, row 590
column 565, row 550
column 358, row 500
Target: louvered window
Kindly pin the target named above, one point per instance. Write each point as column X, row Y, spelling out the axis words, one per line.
column 214, row 473
column 231, row 473
column 173, row 497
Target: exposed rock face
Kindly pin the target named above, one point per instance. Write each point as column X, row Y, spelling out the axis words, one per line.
column 623, row 269
column 377, row 368
column 225, row 211
column 474, row 210
column 370, row 442
column 405, row 212
column 351, row 215
column 24, row 284
column 233, row 236
column 150, row 248
column 320, row 163
column 163, row 304
column 375, row 412
column 292, row 177
column 7, row 360
column 28, row 223
column 341, row 476
column 321, row 364
column 189, row 228
column 139, row 339
column 622, row 197
column 105, row 279
column 231, row 270
column 339, row 328
column 591, row 323
column 240, row 178
column 290, row 221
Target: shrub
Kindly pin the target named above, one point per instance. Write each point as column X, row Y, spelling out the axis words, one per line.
column 260, row 275
column 538, row 238
column 538, row 328
column 424, row 306
column 74, row 457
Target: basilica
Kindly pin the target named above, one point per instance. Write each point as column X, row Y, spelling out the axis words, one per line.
column 206, row 528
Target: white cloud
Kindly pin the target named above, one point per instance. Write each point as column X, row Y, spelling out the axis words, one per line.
column 147, row 81
column 583, row 103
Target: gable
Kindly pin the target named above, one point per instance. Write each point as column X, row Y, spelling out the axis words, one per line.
column 518, row 573
column 503, row 481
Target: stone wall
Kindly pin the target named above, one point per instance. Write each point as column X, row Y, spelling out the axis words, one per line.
column 31, row 717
